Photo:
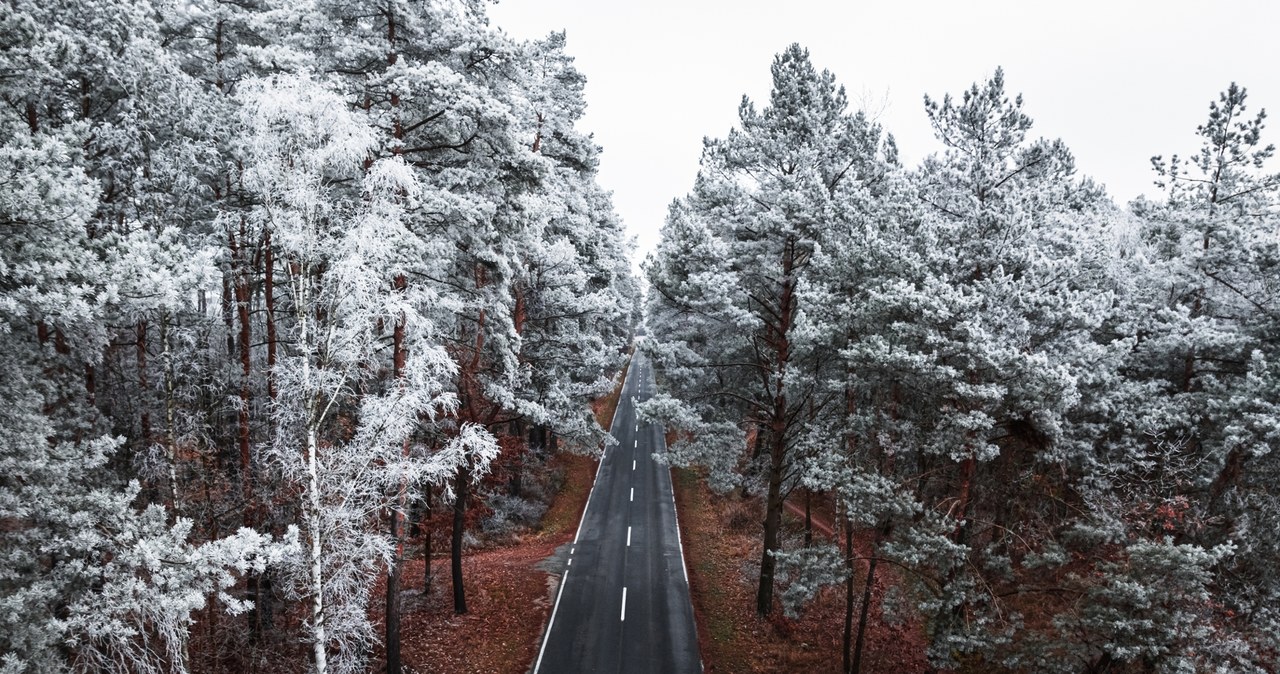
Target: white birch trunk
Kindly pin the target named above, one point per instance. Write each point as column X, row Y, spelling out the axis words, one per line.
column 171, row 449
column 315, row 552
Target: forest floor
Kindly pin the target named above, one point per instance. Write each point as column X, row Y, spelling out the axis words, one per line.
column 508, row 596
column 722, row 548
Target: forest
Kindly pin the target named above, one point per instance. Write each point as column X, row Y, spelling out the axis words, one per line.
column 293, row 292
column 282, row 282
column 1053, row 419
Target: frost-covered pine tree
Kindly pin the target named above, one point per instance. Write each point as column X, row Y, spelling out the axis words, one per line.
column 1008, row 290
column 97, row 574
column 574, row 289
column 1183, row 580
column 734, row 255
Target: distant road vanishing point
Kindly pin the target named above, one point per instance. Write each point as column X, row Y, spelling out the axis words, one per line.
column 623, row 603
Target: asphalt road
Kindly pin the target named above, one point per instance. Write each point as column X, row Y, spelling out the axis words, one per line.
column 623, row 603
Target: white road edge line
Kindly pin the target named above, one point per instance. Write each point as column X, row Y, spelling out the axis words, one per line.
column 564, row 580
column 679, row 541
column 624, row 604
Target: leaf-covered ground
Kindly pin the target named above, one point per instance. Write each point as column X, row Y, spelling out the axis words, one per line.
column 508, row 597
column 722, row 546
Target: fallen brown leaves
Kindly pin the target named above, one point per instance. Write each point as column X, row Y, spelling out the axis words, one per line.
column 722, row 547
column 507, row 595
column 508, row 605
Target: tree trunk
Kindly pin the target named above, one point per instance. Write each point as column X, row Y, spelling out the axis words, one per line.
column 780, row 341
column 515, row 481
column 538, row 440
column 311, row 498
column 461, row 483
column 863, row 614
column 171, row 439
column 32, row 118
column 393, row 599
column 264, row 606
column 968, row 470
column 319, row 640
column 261, row 584
column 242, row 313
column 269, row 298
column 228, row 317
column 848, row 597
column 808, row 519
column 393, row 571
column 426, row 542
column 772, row 525
column 140, row 344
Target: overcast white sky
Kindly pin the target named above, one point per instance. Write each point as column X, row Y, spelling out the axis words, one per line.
column 1118, row 80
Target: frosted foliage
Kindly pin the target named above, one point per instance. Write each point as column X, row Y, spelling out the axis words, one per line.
column 1153, row 606
column 340, row 245
column 44, row 204
column 1018, row 388
column 806, row 571
column 208, row 249
column 119, row 585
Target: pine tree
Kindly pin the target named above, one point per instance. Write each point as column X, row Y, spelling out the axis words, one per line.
column 765, row 198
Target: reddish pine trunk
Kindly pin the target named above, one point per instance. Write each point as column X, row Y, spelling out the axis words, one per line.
column 393, row 598
column 228, row 316
column 537, row 136
column 471, row 396
column 848, row 597
column 778, row 435
column 242, row 313
column 520, row 313
column 808, row 520
column 518, row 446
column 851, row 445
column 865, row 611
column 398, row 351
column 60, row 343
